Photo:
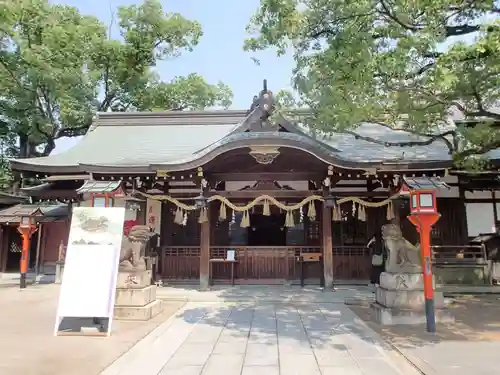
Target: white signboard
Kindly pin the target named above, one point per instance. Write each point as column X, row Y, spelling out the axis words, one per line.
column 480, row 218
column 91, row 264
column 230, row 255
column 153, row 207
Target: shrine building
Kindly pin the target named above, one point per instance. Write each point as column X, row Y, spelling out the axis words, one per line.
column 263, row 185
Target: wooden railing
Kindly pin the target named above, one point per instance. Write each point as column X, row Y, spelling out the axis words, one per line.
column 265, row 264
column 351, row 262
column 180, row 263
column 456, row 254
column 268, row 264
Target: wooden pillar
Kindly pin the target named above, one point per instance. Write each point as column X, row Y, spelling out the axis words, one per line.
column 396, row 206
column 2, row 250
column 205, row 253
column 43, row 247
column 326, row 244
column 39, row 249
column 5, row 247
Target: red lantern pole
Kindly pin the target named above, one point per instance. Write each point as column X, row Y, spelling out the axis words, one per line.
column 26, row 233
column 424, row 221
column 24, row 259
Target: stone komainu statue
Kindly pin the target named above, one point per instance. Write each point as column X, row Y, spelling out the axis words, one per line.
column 133, row 249
column 402, row 256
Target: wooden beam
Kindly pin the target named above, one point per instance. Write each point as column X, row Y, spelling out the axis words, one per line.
column 54, row 194
column 266, row 176
column 372, row 184
column 250, row 194
column 298, row 193
column 244, row 194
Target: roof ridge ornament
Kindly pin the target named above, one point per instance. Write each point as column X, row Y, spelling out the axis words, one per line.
column 264, row 103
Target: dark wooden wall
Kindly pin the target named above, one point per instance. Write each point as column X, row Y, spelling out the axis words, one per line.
column 451, row 229
column 53, row 233
column 351, row 258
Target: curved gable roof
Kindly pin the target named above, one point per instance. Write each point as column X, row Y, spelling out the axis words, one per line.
column 138, row 139
column 181, row 140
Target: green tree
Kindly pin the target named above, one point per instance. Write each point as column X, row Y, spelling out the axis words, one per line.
column 59, row 67
column 405, row 64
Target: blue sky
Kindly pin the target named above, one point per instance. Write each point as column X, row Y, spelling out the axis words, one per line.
column 219, row 56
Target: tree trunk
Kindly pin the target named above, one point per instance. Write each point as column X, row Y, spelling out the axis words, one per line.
column 24, row 146
column 49, row 147
column 27, row 149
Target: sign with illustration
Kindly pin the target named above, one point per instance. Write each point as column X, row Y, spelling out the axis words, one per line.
column 91, row 265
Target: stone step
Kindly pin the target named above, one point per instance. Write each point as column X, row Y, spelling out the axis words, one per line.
column 135, row 297
column 138, row 312
column 406, row 299
column 388, row 317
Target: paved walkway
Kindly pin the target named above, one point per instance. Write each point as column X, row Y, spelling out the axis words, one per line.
column 268, row 293
column 265, row 339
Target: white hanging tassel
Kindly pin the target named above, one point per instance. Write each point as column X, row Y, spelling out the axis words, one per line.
column 311, row 212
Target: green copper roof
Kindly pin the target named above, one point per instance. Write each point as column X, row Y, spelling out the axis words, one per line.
column 139, row 140
column 136, row 139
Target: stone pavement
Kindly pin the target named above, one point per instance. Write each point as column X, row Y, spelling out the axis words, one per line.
column 268, row 293
column 262, row 338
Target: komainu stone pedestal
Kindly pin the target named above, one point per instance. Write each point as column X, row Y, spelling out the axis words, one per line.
column 399, row 299
column 135, row 296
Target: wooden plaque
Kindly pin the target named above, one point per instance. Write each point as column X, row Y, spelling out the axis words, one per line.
column 311, row 257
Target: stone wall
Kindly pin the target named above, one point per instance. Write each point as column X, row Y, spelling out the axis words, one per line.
column 462, row 274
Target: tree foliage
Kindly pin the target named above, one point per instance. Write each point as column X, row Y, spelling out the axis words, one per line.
column 405, row 64
column 58, row 67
